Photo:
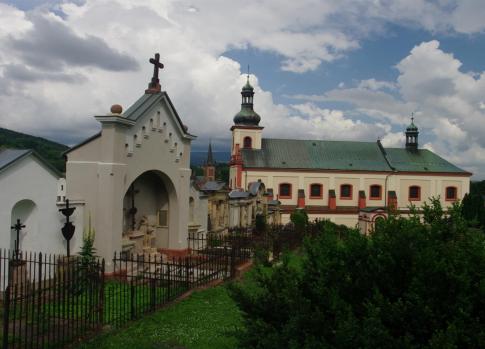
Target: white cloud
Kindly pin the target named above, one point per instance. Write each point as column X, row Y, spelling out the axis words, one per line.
column 58, row 100
column 447, row 101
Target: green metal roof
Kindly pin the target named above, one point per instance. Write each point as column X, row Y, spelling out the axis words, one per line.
column 342, row 155
column 421, row 160
column 307, row 154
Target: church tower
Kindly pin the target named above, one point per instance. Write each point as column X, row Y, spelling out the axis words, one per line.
column 209, row 166
column 246, row 134
column 412, row 136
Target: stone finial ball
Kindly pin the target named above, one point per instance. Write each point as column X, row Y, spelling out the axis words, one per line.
column 116, row 109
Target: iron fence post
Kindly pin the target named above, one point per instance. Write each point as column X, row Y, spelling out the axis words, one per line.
column 233, row 261
column 132, row 300
column 6, row 315
column 187, row 276
column 101, row 295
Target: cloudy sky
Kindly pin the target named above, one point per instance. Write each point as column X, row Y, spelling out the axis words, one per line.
column 322, row 69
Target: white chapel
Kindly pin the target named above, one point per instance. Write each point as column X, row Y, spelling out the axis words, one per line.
column 132, row 179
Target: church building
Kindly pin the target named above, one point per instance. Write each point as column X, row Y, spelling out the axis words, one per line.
column 339, row 180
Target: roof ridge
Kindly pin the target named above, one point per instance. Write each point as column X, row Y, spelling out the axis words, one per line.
column 316, row 140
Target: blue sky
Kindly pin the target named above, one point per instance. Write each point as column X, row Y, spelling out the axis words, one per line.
column 328, row 69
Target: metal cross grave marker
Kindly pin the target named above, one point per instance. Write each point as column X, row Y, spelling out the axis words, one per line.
column 68, row 228
column 17, row 227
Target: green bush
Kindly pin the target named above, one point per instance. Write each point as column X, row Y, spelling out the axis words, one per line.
column 299, row 218
column 411, row 284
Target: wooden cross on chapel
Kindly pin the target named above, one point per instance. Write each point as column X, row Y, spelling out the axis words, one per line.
column 154, row 85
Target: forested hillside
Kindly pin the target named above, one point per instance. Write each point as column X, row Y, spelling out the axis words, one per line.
column 51, row 151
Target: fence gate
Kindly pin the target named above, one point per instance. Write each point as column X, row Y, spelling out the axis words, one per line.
column 50, row 301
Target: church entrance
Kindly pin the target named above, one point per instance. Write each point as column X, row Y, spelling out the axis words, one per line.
column 147, row 213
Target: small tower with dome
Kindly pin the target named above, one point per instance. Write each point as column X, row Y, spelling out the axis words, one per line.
column 412, row 136
column 246, row 132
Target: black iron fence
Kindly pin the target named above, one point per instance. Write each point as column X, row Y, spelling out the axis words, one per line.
column 240, row 244
column 49, row 301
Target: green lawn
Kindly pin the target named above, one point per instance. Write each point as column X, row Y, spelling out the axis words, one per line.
column 206, row 319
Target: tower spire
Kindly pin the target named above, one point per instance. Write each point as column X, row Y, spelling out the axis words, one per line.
column 210, row 157
column 209, row 167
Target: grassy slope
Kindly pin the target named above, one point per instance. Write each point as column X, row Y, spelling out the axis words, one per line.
column 204, row 320
column 51, row 151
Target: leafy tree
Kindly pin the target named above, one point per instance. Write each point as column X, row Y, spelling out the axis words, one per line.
column 473, row 210
column 411, row 284
column 299, row 218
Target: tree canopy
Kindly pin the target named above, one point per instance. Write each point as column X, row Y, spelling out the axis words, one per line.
column 413, row 283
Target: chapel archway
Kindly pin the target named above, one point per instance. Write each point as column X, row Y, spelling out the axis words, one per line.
column 149, row 215
column 26, row 211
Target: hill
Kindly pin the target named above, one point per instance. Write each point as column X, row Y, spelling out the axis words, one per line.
column 51, row 151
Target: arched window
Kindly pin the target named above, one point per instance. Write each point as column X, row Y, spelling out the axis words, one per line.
column 316, row 191
column 414, row 193
column 285, row 191
column 346, row 191
column 248, row 142
column 375, row 192
column 451, row 193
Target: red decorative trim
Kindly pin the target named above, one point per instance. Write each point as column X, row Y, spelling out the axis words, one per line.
column 301, row 202
column 419, row 193
column 283, row 196
column 321, row 191
column 380, row 192
column 446, row 193
column 346, row 197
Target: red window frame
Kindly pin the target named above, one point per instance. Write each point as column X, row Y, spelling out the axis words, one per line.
column 321, row 191
column 290, row 190
column 247, row 142
column 380, row 192
column 418, row 198
column 446, row 193
column 351, row 192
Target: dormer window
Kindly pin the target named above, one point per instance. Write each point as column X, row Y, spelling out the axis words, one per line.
column 248, row 142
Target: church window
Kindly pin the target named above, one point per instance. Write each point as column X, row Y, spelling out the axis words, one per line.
column 414, row 193
column 346, row 191
column 375, row 192
column 285, row 191
column 248, row 142
column 451, row 193
column 316, row 191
